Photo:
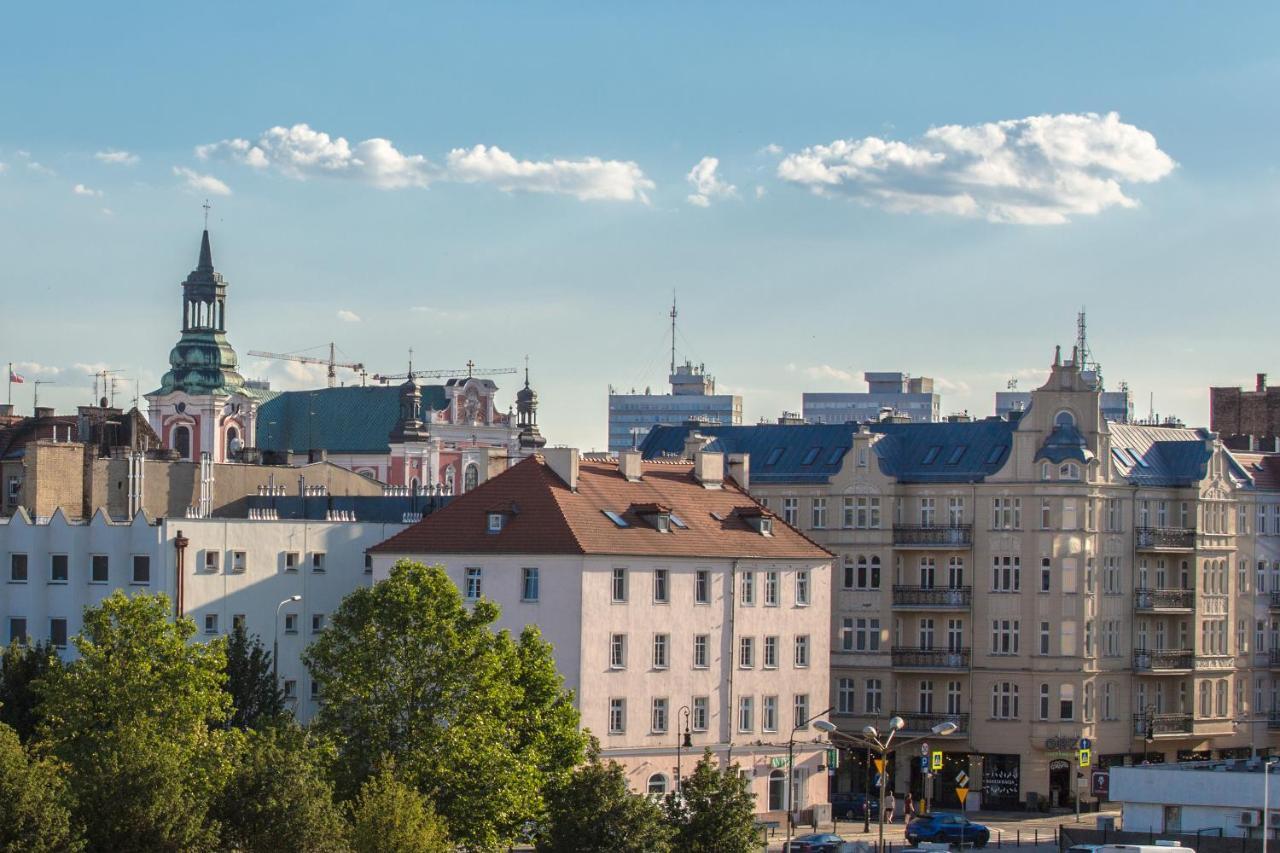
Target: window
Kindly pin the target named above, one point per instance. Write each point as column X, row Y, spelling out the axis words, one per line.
column 237, row 621
column 748, row 588
column 58, row 568
column 211, row 623
column 1044, row 702
column 1069, row 471
column 1044, row 470
column 618, row 651
column 819, row 516
column 700, row 712
column 746, row 714
column 58, row 633
column 802, row 650
column 953, row 697
column 617, row 716
column 791, row 511
column 211, row 560
column 141, row 569
column 1046, row 574
column 700, row 646
column 770, row 652
column 1088, row 702
column 317, row 562
column 495, row 522
column 771, row 588
column 619, row 585
column 847, row 513
column 291, row 623
column 769, row 713
column 845, row 696
column 924, row 697
column 866, row 635
column 661, row 645
column 1004, row 636
column 239, row 561
column 473, row 584
column 1046, row 514
column 747, row 652
column 317, row 623
column 928, row 512
column 801, row 710
column 872, row 695
column 368, row 564
column 99, row 569
column 1067, row 702
column 1113, row 515
column 290, row 688
column 774, row 456
column 1006, row 513
column 661, row 591
column 955, row 511
column 955, row 573
column 17, row 568
column 17, row 630
column 1044, row 638
column 1006, row 573
column 930, row 455
column 702, row 587
column 1068, row 637
column 529, row 584
column 657, row 785
column 802, row 587
column 291, row 560
column 1004, row 700
column 658, row 718
column 810, row 455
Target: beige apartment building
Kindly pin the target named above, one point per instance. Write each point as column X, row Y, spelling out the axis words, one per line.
column 1036, row 580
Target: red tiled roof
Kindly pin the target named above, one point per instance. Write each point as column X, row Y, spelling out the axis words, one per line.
column 555, row 520
column 1264, row 468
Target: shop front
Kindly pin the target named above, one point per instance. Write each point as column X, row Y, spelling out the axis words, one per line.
column 1001, row 781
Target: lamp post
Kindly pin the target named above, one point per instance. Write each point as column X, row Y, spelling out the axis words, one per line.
column 275, row 645
column 684, row 740
column 873, row 741
column 791, row 773
column 1266, row 799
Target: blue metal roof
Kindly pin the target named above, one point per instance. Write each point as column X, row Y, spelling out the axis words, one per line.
column 351, row 419
column 964, row 452
column 1160, row 456
column 372, row 508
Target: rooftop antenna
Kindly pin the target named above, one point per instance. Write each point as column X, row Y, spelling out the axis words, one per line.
column 37, row 383
column 1012, row 384
column 673, row 332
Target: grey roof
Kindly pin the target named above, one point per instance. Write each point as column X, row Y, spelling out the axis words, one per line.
column 1160, row 456
column 350, row 419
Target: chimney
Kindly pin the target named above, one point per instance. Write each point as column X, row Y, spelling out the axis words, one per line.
column 740, row 470
column 694, row 442
column 6, row 410
column 44, row 412
column 1262, row 382
column 708, row 468
column 564, row 462
column 629, row 465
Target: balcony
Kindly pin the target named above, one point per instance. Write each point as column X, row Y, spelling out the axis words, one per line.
column 1162, row 725
column 1273, row 658
column 1165, row 538
column 1273, row 604
column 924, row 723
column 932, row 536
column 1163, row 660
column 932, row 597
column 940, row 659
column 1273, row 721
column 1147, row 600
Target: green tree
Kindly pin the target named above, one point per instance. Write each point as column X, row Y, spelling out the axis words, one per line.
column 389, row 816
column 278, row 797
column 471, row 718
column 34, row 811
column 255, row 693
column 140, row 721
column 593, row 810
column 716, row 812
column 21, row 666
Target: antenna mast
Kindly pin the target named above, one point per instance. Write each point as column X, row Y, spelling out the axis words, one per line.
column 673, row 332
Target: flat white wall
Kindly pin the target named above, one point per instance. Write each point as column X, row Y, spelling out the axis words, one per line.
column 1208, row 799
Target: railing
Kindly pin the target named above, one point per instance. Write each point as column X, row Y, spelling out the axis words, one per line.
column 1273, row 658
column 1165, row 538
column 1157, row 660
column 1273, row 720
column 1163, row 599
column 1274, row 603
column 1156, row 725
column 924, row 722
column 933, row 535
column 910, row 658
column 932, row 596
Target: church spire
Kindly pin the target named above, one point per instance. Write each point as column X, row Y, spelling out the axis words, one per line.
column 206, row 255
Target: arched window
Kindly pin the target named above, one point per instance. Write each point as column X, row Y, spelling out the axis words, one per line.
column 657, row 784
column 470, row 478
column 181, row 441
column 234, row 444
column 777, row 791
column 1064, row 419
column 1069, row 471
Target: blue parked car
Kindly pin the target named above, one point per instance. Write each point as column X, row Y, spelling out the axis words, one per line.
column 947, row 828
column 848, row 806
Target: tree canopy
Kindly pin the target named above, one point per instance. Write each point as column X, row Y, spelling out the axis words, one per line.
column 256, row 696
column 21, row 666
column 593, row 809
column 35, row 813
column 715, row 810
column 389, row 816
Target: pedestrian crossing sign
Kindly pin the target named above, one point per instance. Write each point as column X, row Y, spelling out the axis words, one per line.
column 935, row 760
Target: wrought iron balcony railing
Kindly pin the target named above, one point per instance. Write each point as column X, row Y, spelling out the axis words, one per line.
column 1155, row 600
column 1165, row 538
column 909, row 658
column 1163, row 660
column 941, row 597
column 932, row 535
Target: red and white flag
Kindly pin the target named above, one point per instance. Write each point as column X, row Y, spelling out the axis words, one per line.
column 15, row 377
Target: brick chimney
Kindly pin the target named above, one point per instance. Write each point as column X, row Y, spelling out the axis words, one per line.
column 740, row 470
column 564, row 462
column 708, row 468
column 629, row 465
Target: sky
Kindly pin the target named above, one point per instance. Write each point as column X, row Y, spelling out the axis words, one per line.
column 826, row 189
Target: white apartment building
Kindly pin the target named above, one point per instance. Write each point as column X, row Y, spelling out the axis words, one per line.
column 1036, row 580
column 673, row 601
column 216, row 571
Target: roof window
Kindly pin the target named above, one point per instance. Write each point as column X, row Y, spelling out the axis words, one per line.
column 774, row 456
column 836, row 453
column 1121, row 457
column 678, row 521
column 1142, row 463
column 956, row 453
column 618, row 520
column 496, row 520
column 994, row 456
column 811, row 455
column 931, row 455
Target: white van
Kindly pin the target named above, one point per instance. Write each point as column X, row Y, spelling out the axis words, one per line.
column 1158, row 847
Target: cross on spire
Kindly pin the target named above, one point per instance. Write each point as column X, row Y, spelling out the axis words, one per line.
column 206, row 207
column 471, row 365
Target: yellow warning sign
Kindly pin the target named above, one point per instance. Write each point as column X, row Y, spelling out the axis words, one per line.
column 1086, row 756
column 963, row 794
column 935, row 760
column 879, row 765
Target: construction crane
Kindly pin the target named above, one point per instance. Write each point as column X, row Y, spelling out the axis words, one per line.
column 470, row 370
column 331, row 362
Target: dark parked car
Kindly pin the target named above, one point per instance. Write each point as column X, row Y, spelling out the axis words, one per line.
column 947, row 829
column 847, row 806
column 818, row 842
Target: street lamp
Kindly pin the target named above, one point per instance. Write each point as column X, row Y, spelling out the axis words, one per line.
column 791, row 773
column 685, row 740
column 874, row 742
column 275, row 645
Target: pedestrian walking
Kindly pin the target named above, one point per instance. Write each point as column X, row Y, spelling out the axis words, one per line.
column 888, row 807
column 908, row 811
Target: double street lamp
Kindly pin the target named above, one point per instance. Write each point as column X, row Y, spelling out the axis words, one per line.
column 874, row 742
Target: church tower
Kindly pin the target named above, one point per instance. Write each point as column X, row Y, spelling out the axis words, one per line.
column 202, row 404
column 527, row 416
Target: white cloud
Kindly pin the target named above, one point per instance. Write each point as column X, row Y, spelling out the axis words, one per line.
column 826, row 372
column 760, row 192
column 707, row 184
column 117, row 158
column 202, row 183
column 1036, row 170
column 773, row 149
column 81, row 189
column 35, row 368
column 289, row 375
column 301, row 152
column 33, row 165
column 3, row 167
column 589, row 179
column 348, row 316
column 441, row 314
column 958, row 386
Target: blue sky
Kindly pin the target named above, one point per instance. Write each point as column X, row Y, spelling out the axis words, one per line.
column 857, row 236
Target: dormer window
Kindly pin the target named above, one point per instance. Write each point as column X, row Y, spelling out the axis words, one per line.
column 661, row 522
column 496, row 520
column 766, row 526
column 496, row 517
column 658, row 516
column 759, row 518
column 1069, row 471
